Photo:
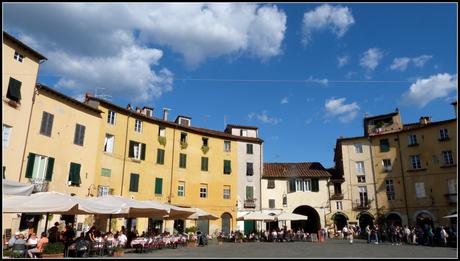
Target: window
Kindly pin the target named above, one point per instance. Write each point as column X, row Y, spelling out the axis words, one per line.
column 158, row 186
column 338, row 205
column 74, row 174
column 362, row 179
column 183, row 161
column 284, row 200
column 162, row 131
column 452, row 186
column 205, row 142
column 138, row 126
column 303, row 185
column 18, row 57
column 413, row 140
column 134, row 182
column 108, row 143
column 47, row 124
column 79, row 137
column 249, row 169
column 227, row 167
column 420, row 190
column 448, row 159
column 226, row 192
column 137, row 150
column 384, row 145
column 314, row 185
column 270, row 184
column 160, row 156
column 39, row 167
column 249, row 149
column 204, row 164
column 181, row 189
column 244, row 133
column 360, row 167
column 359, row 148
column 390, row 189
column 184, row 122
column 443, row 134
column 183, row 137
column 103, row 191
column 227, row 147
column 111, row 117
column 415, row 161
column 337, row 188
column 386, row 165
column 249, row 192
column 271, row 203
column 203, row 191
column 14, row 90
column 106, row 172
column 6, row 135
column 362, row 196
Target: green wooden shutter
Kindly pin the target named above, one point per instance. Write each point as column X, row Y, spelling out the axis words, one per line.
column 143, row 149
column 158, row 186
column 30, row 165
column 249, row 148
column 49, row 169
column 227, row 167
column 249, row 192
column 131, row 149
column 44, row 122
column 204, row 163
column 76, row 137
column 160, row 156
column 14, row 90
column 134, row 182
column 315, row 185
column 74, row 174
column 49, row 124
column 183, row 161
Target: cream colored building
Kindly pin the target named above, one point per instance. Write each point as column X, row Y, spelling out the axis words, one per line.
column 299, row 188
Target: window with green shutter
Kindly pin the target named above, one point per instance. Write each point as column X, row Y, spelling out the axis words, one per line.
column 79, row 134
column 49, row 169
column 183, row 161
column 249, row 192
column 134, row 182
column 384, row 145
column 14, row 90
column 160, row 156
column 46, row 124
column 74, row 174
column 249, row 149
column 314, row 185
column 158, row 186
column 30, row 165
column 227, row 167
column 204, row 164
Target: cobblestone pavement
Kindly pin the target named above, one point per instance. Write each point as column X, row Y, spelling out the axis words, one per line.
column 330, row 248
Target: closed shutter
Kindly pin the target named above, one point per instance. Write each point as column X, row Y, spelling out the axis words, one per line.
column 183, row 161
column 158, row 186
column 249, row 148
column 204, row 163
column 134, row 182
column 131, row 149
column 49, row 169
column 291, row 186
column 74, row 175
column 143, row 149
column 249, row 169
column 227, row 166
column 160, row 156
column 315, row 185
column 249, row 192
column 14, row 90
column 82, row 134
column 30, row 165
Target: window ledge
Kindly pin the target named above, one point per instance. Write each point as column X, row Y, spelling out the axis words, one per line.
column 136, row 160
column 448, row 166
column 416, row 170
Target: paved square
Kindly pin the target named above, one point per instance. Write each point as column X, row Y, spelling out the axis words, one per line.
column 330, row 248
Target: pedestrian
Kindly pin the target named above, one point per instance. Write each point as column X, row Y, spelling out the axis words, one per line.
column 368, row 232
column 431, row 235
column 53, row 233
column 345, row 232
column 407, row 234
column 376, row 233
column 444, row 236
column 351, row 232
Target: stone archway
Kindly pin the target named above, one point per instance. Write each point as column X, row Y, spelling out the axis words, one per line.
column 365, row 219
column 312, row 224
column 393, row 218
column 423, row 218
column 340, row 220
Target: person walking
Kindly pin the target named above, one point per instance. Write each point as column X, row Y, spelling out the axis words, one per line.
column 368, row 232
column 351, row 231
column 444, row 236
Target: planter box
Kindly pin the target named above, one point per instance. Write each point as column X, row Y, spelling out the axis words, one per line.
column 119, row 253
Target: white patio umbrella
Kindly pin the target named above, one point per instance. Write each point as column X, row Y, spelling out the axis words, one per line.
column 202, row 215
column 290, row 216
column 16, row 188
column 176, row 212
column 258, row 216
column 451, row 216
column 130, row 208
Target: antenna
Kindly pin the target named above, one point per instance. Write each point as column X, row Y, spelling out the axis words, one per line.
column 104, row 96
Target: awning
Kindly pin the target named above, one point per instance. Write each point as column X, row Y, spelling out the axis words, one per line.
column 290, row 216
column 130, row 208
column 16, row 188
column 257, row 215
column 202, row 215
column 451, row 216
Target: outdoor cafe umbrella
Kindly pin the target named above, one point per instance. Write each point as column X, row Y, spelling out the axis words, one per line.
column 202, row 215
column 16, row 188
column 176, row 212
column 290, row 216
column 451, row 216
column 131, row 208
column 258, row 216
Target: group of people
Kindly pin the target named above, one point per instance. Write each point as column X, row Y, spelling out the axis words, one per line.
column 30, row 246
column 397, row 234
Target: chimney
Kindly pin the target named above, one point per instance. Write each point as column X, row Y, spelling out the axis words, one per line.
column 147, row 111
column 455, row 107
column 129, row 106
column 165, row 114
column 88, row 95
column 425, row 120
column 138, row 110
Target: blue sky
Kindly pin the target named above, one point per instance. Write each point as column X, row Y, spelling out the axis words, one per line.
column 305, row 74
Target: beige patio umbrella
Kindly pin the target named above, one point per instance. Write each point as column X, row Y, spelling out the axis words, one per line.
column 176, row 212
column 451, row 216
column 290, row 216
column 258, row 216
column 16, row 188
column 202, row 215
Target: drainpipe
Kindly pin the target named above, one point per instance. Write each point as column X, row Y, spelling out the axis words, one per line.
column 172, row 167
column 124, row 156
column 30, row 119
column 373, row 178
column 403, row 179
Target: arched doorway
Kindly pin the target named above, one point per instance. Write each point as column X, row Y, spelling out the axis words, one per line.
column 340, row 220
column 365, row 219
column 179, row 225
column 394, row 218
column 424, row 218
column 226, row 222
column 312, row 224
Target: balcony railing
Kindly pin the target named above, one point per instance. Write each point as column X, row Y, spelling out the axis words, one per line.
column 250, row 203
column 337, row 196
column 358, row 204
column 40, row 184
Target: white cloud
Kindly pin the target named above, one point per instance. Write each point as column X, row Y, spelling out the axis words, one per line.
column 285, row 100
column 423, row 91
column 265, row 118
column 335, row 18
column 371, row 58
column 401, row 63
column 342, row 60
column 319, row 81
column 338, row 108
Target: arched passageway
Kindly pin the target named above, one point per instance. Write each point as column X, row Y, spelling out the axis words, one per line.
column 312, row 224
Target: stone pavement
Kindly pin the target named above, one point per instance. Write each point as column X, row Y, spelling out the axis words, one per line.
column 331, row 248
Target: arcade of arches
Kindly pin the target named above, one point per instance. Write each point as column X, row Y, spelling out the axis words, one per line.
column 312, row 224
column 340, row 220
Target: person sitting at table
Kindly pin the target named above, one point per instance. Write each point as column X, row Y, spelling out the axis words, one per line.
column 122, row 239
column 54, row 234
column 90, row 236
column 32, row 241
column 40, row 246
column 13, row 239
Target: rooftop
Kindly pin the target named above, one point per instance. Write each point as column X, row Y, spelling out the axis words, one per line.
column 42, row 87
column 23, row 45
column 291, row 170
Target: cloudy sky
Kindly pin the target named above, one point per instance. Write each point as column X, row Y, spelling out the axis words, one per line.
column 305, row 74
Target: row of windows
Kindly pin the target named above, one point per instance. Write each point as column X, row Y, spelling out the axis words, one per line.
column 41, row 168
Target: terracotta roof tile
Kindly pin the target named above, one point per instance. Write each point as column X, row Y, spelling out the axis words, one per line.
column 302, row 169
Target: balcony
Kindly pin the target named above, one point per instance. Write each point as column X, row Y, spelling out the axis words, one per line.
column 337, row 196
column 451, row 198
column 40, row 184
column 387, row 169
column 361, row 205
column 250, row 203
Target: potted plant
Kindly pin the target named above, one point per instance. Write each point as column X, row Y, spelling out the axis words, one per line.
column 205, row 149
column 118, row 251
column 53, row 250
column 162, row 140
column 183, row 144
